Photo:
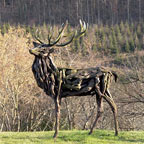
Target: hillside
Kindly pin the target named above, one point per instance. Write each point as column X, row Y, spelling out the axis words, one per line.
column 25, row 107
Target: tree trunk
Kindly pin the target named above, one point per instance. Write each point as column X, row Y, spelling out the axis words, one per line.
column 98, row 10
column 128, row 15
column 139, row 10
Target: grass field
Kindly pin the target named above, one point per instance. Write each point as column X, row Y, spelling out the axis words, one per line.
column 72, row 137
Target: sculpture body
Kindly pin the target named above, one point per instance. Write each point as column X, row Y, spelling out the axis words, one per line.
column 60, row 83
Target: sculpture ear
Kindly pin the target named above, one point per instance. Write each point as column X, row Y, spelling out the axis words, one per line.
column 36, row 44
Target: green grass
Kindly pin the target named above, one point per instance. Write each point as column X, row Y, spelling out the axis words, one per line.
column 72, row 137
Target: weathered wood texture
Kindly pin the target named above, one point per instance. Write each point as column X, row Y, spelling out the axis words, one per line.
column 75, row 82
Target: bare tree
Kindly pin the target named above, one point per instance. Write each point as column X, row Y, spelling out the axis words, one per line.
column 139, row 10
column 128, row 10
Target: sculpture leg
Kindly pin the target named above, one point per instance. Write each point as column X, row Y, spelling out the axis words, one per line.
column 57, row 112
column 108, row 93
column 113, row 106
column 57, row 101
column 99, row 111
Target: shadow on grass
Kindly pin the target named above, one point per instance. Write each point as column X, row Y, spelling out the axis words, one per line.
column 82, row 136
column 79, row 136
column 131, row 139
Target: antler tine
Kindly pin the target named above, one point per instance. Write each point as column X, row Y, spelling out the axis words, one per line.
column 66, row 43
column 38, row 38
column 59, row 35
column 83, row 29
column 76, row 34
column 50, row 35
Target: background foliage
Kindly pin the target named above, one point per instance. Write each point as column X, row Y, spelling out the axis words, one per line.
column 24, row 107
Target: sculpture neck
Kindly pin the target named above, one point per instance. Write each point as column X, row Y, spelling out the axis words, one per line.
column 46, row 65
column 52, row 65
column 46, row 74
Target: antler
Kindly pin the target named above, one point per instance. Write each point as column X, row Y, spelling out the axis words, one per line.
column 61, row 32
column 76, row 35
column 37, row 37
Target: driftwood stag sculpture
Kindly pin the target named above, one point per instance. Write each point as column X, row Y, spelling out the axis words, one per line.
column 60, row 83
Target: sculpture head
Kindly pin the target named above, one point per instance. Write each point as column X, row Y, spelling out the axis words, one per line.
column 42, row 49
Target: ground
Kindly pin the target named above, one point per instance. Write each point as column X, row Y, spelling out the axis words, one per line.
column 72, row 137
